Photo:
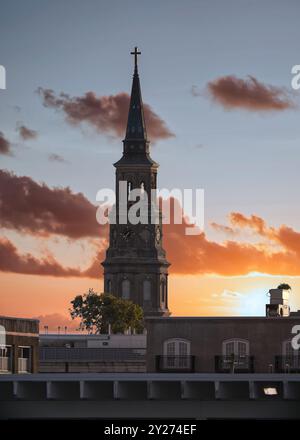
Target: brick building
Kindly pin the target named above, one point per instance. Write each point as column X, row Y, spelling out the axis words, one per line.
column 222, row 344
column 19, row 345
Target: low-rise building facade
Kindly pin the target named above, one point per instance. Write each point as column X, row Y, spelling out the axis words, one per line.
column 19, row 345
column 222, row 344
column 83, row 353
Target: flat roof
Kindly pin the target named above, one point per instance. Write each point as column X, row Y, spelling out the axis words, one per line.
column 16, row 318
column 222, row 318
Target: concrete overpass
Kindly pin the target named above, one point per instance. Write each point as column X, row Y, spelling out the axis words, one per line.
column 146, row 395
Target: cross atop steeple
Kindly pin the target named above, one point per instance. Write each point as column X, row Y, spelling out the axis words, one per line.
column 136, row 52
column 136, row 128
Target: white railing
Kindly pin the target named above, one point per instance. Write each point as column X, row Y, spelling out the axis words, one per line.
column 23, row 365
column 4, row 364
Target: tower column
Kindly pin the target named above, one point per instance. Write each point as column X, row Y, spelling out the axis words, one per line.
column 135, row 266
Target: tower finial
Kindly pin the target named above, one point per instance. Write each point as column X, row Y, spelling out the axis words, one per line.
column 136, row 127
column 136, row 52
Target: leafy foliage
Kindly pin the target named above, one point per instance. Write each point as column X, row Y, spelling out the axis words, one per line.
column 284, row 286
column 97, row 312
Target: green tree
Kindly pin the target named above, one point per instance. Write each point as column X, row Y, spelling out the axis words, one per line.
column 96, row 312
column 284, row 286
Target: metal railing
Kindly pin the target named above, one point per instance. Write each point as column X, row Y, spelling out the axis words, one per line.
column 234, row 364
column 83, row 354
column 175, row 364
column 287, row 364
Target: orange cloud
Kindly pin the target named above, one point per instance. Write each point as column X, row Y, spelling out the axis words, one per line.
column 288, row 238
column 249, row 94
column 222, row 228
column 195, row 254
column 37, row 209
column 34, row 208
column 12, row 261
column 284, row 235
column 252, row 222
column 107, row 114
column 198, row 255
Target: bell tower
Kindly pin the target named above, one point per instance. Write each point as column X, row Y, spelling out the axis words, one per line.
column 135, row 266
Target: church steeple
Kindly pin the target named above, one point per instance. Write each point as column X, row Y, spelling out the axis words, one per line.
column 136, row 127
column 135, row 266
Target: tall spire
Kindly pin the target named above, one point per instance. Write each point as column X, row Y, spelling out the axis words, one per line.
column 136, row 128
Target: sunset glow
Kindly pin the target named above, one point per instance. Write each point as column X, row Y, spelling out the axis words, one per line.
column 223, row 120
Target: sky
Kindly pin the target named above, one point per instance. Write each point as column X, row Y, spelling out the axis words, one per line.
column 216, row 83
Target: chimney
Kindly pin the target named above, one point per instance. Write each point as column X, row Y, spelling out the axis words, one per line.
column 279, row 303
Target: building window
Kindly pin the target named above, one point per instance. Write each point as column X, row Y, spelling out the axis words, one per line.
column 109, row 286
column 5, row 359
column 146, row 291
column 236, row 347
column 163, row 292
column 235, row 356
column 24, row 359
column 290, row 357
column 125, row 289
column 142, row 188
column 177, row 353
